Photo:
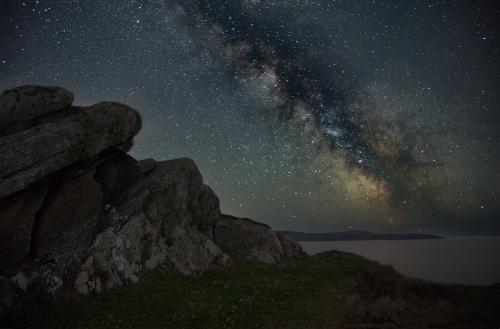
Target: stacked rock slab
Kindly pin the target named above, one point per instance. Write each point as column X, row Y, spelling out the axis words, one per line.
column 77, row 212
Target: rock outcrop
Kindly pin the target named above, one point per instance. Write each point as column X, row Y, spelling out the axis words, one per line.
column 78, row 213
column 244, row 238
column 22, row 106
column 33, row 154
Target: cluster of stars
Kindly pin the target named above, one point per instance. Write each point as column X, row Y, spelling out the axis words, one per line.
column 301, row 114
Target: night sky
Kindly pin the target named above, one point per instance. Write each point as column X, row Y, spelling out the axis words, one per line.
column 305, row 115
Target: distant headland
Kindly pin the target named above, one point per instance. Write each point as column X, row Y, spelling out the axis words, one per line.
column 356, row 235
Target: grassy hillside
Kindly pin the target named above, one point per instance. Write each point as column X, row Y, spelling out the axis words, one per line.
column 331, row 290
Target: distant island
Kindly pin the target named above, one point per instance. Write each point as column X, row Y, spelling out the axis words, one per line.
column 356, row 235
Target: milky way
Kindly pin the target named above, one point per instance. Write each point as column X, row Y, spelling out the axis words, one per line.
column 303, row 114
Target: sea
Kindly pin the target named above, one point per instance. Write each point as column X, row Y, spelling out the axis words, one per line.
column 455, row 260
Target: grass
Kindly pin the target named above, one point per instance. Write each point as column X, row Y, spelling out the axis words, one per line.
column 331, row 290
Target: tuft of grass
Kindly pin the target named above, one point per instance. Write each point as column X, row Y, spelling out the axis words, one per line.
column 330, row 290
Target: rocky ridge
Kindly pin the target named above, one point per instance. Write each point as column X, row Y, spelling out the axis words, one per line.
column 78, row 213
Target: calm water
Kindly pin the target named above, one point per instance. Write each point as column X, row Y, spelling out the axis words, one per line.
column 470, row 260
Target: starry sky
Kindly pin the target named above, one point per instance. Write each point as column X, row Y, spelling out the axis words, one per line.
column 306, row 115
